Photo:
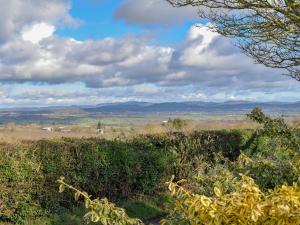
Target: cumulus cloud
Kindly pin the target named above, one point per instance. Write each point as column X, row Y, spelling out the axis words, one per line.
column 202, row 66
column 37, row 32
column 149, row 12
column 203, row 57
column 145, row 89
column 15, row 14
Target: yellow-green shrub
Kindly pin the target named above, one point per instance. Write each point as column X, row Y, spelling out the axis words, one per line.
column 100, row 211
column 247, row 206
column 221, row 175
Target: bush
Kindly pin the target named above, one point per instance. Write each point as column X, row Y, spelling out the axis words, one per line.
column 210, row 175
column 18, row 177
column 247, row 206
column 123, row 169
column 267, row 156
column 187, row 152
column 100, row 210
column 117, row 169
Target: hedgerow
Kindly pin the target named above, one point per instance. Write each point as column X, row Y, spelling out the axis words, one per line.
column 123, row 169
column 116, row 169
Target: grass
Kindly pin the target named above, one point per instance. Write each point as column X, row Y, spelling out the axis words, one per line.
column 145, row 209
column 70, row 217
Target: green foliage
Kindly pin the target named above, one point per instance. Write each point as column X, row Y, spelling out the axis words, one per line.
column 177, row 123
column 123, row 169
column 144, row 208
column 275, row 131
column 17, row 176
column 247, row 206
column 218, row 194
column 99, row 125
column 73, row 216
column 190, row 152
column 220, row 174
column 100, row 211
column 117, row 169
column 269, row 172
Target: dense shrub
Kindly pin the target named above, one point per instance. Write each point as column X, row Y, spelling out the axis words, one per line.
column 267, row 156
column 219, row 174
column 105, row 168
column 204, row 143
column 268, row 173
column 188, row 151
column 117, row 169
column 100, row 210
column 247, row 206
column 274, row 136
column 19, row 175
column 122, row 169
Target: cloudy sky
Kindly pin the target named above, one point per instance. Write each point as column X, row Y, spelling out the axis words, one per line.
column 63, row 52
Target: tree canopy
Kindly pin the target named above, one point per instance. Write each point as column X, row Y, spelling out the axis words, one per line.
column 266, row 30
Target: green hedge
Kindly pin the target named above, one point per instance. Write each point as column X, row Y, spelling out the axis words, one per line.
column 117, row 169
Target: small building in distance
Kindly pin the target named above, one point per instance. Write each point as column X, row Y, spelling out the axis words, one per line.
column 49, row 129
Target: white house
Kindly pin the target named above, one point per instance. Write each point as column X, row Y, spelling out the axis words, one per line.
column 49, row 129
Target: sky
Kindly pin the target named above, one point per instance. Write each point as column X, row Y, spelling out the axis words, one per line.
column 86, row 52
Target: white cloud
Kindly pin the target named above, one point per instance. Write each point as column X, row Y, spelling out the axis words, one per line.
column 149, row 12
column 126, row 67
column 37, row 32
column 145, row 89
column 202, row 58
column 17, row 14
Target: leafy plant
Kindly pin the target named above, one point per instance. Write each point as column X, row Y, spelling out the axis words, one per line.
column 177, row 123
column 100, row 210
column 123, row 169
column 247, row 206
column 278, row 132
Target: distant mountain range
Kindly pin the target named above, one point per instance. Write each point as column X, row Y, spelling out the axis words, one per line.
column 147, row 107
column 225, row 107
column 73, row 114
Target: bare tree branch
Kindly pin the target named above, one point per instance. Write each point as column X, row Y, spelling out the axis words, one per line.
column 266, row 30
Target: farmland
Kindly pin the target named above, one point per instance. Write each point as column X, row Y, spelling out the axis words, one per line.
column 132, row 170
column 130, row 119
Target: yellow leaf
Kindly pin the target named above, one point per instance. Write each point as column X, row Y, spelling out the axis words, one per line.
column 218, row 192
column 61, row 188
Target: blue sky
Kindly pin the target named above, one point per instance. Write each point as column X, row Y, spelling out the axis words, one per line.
column 65, row 52
column 98, row 22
